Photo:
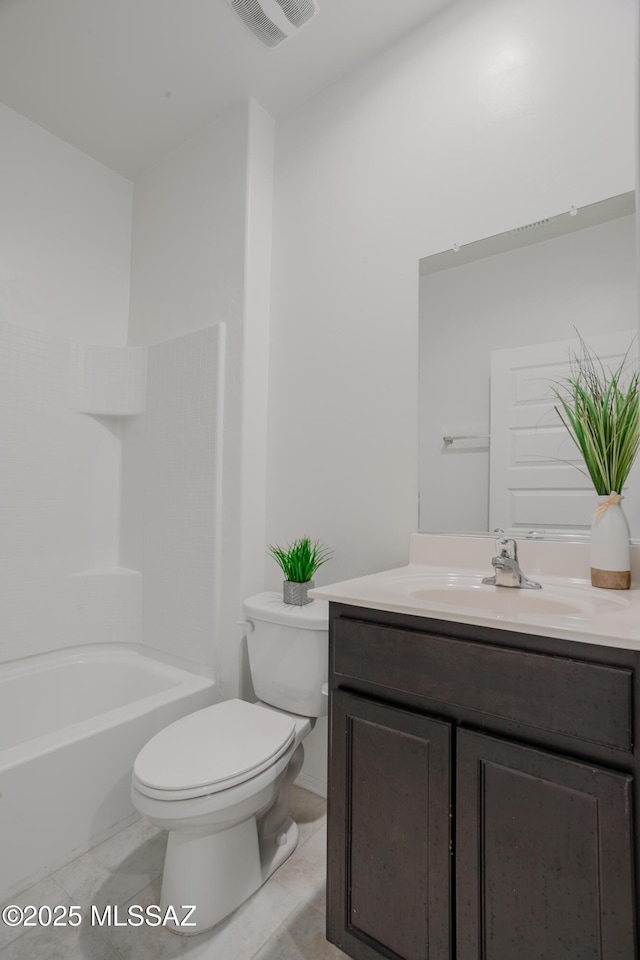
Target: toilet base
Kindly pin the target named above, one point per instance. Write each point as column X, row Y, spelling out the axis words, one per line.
column 215, row 872
column 277, row 832
column 272, row 855
column 218, row 872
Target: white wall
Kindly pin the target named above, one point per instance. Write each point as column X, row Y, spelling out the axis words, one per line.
column 65, row 237
column 65, row 249
column 60, row 583
column 496, row 114
column 169, row 517
column 188, row 234
column 537, row 294
column 201, row 254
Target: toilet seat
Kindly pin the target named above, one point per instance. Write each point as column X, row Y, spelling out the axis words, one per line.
column 211, row 750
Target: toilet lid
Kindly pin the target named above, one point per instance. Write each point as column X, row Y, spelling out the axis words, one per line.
column 214, row 748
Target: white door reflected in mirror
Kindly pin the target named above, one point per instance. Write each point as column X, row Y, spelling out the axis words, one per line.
column 525, row 290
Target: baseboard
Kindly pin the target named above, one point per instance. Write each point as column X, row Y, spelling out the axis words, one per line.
column 313, row 784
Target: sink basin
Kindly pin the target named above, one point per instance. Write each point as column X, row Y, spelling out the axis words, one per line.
column 469, row 593
column 497, row 599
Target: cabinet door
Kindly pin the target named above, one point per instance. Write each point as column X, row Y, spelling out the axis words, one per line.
column 544, row 855
column 389, row 859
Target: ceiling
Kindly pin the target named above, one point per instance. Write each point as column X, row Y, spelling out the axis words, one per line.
column 126, row 81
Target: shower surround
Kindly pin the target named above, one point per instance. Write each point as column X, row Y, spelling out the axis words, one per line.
column 110, row 532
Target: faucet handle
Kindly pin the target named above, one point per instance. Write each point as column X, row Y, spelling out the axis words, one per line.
column 508, row 574
column 505, row 546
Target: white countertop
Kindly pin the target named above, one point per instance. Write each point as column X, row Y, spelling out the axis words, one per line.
column 567, row 607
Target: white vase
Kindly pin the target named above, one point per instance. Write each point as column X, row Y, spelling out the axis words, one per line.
column 610, row 546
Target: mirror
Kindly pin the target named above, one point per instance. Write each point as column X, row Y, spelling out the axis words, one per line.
column 498, row 322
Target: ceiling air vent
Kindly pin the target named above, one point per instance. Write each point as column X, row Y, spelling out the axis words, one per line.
column 273, row 21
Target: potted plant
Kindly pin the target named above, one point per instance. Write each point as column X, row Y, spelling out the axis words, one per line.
column 299, row 561
column 600, row 409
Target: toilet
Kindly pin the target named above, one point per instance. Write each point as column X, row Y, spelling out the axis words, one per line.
column 218, row 780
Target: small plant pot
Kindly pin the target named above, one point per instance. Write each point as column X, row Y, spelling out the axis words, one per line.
column 296, row 593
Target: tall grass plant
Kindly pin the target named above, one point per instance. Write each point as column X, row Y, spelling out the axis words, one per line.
column 300, row 559
column 600, row 408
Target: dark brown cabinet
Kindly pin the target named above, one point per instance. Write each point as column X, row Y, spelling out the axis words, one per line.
column 543, row 855
column 481, row 793
column 391, row 821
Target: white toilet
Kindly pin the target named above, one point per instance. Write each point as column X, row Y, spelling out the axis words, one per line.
column 218, row 780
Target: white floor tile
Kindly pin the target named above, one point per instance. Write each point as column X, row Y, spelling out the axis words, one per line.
column 308, row 810
column 304, row 873
column 302, row 937
column 46, row 893
column 60, row 943
column 236, row 938
column 117, row 869
column 282, row 921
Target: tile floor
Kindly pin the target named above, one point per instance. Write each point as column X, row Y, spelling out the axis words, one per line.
column 284, row 920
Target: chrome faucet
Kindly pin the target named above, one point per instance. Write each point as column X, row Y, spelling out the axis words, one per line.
column 506, row 566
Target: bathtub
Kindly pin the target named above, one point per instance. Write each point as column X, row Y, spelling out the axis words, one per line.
column 71, row 725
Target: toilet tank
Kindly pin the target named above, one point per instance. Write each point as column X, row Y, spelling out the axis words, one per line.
column 288, row 652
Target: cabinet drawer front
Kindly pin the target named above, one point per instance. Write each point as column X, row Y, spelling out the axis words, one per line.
column 586, row 701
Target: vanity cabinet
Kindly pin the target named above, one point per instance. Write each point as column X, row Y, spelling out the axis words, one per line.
column 481, row 793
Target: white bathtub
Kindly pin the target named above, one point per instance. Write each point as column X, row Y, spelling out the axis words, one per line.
column 71, row 725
